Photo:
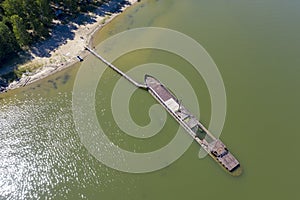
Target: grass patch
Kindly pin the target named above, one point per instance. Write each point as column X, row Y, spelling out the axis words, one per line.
column 104, row 19
column 30, row 67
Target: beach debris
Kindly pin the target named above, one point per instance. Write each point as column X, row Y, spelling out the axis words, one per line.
column 79, row 58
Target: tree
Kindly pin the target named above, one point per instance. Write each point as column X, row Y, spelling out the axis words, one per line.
column 71, row 5
column 36, row 17
column 45, row 12
column 19, row 30
column 8, row 43
column 14, row 7
column 1, row 11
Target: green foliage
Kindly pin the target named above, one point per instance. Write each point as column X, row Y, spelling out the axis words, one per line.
column 18, row 73
column 13, row 7
column 19, row 30
column 8, row 43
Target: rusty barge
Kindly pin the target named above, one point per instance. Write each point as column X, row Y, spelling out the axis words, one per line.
column 212, row 145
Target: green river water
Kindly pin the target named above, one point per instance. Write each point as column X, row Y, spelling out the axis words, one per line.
column 256, row 46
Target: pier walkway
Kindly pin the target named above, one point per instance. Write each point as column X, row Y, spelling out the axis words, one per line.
column 116, row 69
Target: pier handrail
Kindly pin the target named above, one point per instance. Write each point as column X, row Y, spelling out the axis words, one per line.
column 116, row 69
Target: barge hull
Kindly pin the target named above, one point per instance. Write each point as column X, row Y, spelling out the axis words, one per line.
column 213, row 146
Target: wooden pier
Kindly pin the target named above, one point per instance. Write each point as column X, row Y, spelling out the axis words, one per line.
column 116, row 69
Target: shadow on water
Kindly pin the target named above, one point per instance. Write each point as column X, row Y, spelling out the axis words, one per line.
column 54, row 84
column 65, row 78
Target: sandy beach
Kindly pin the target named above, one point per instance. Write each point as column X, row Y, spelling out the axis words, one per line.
column 66, row 42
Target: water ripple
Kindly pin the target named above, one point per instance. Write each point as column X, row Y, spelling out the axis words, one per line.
column 41, row 154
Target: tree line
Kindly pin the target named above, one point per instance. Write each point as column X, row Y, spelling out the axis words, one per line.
column 23, row 22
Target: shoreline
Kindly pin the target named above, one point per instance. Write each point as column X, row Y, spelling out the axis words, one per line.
column 66, row 54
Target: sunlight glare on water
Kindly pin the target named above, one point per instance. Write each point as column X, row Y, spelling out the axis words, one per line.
column 39, row 149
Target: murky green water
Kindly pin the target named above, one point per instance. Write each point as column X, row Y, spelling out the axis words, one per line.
column 255, row 45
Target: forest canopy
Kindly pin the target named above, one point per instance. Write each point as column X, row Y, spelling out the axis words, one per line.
column 23, row 22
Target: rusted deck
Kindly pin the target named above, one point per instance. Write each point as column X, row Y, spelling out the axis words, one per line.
column 212, row 145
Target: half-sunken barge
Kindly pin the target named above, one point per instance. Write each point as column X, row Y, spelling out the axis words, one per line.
column 213, row 146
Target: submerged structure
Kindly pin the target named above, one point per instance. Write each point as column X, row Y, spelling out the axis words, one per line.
column 213, row 146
